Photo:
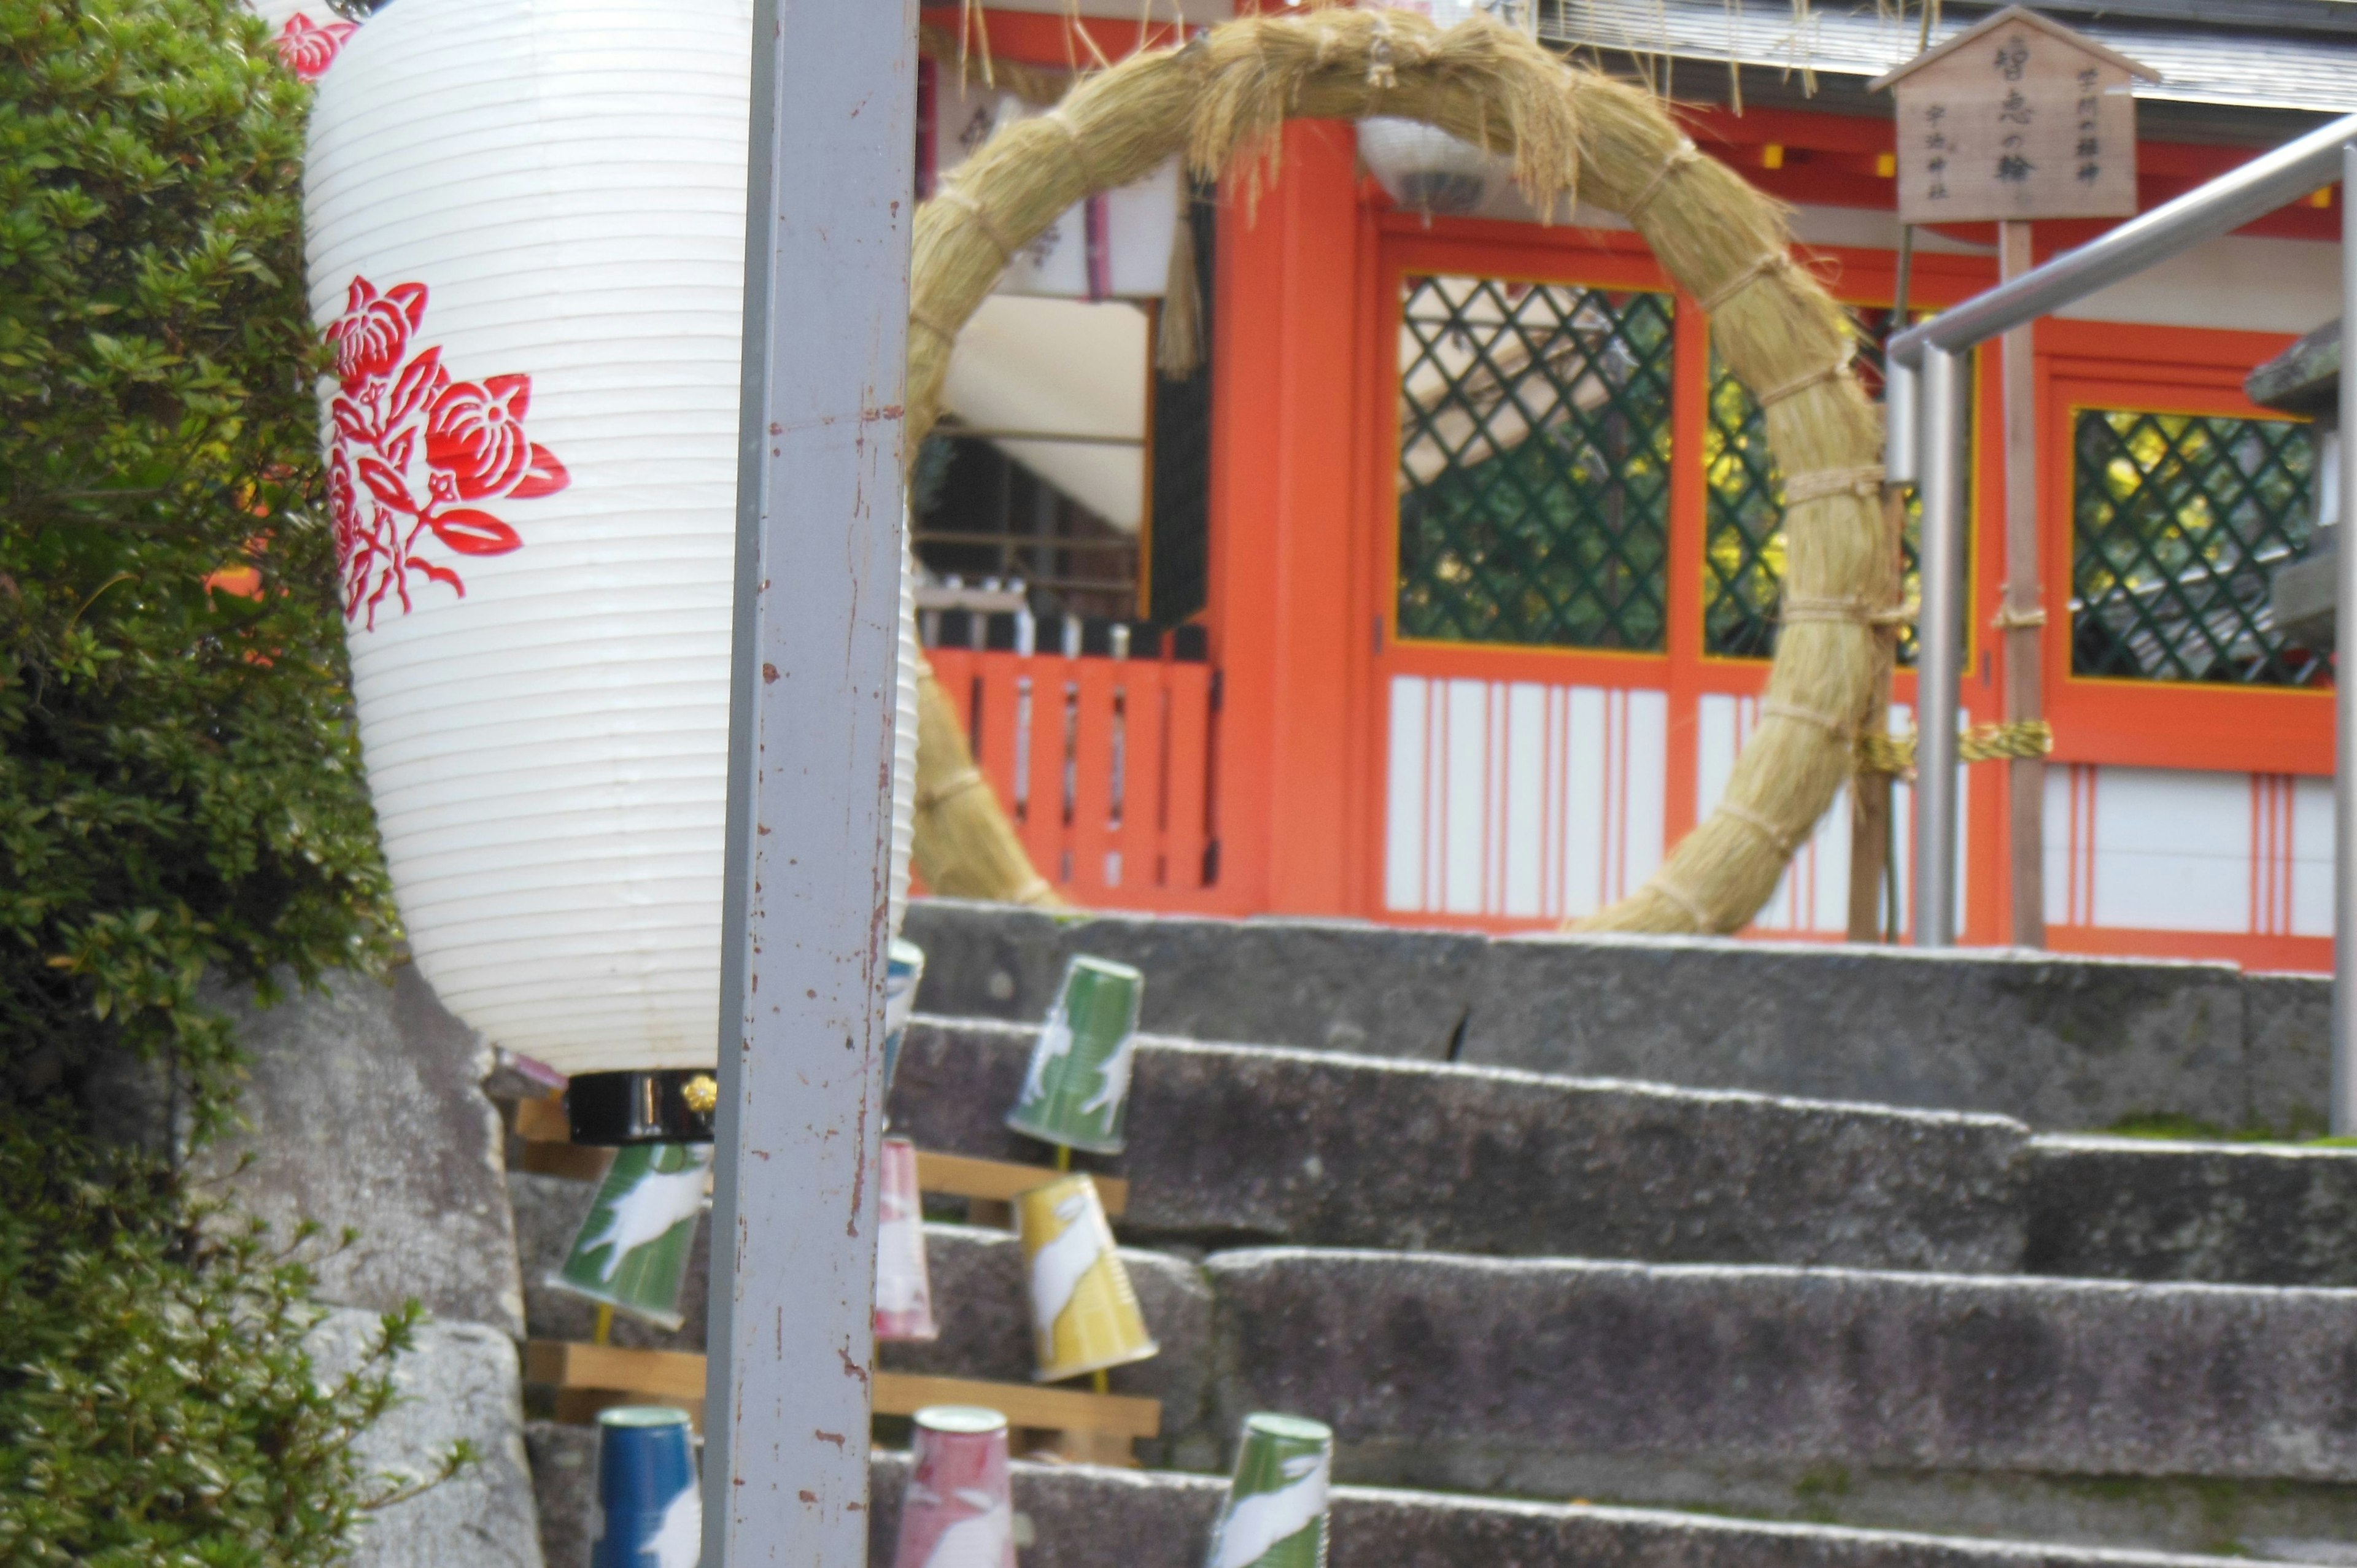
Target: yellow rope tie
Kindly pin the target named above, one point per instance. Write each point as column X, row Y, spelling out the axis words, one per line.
column 2008, row 618
column 1685, row 901
column 957, row 785
column 1777, row 708
column 1682, row 155
column 2021, row 740
column 1776, row 838
column 1380, row 76
column 1826, row 484
column 1800, row 607
column 982, row 220
column 948, row 335
column 1774, row 262
column 1075, row 146
column 1800, row 383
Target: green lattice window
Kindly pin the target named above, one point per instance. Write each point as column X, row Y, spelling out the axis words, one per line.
column 1535, row 463
column 1743, row 549
column 2179, row 522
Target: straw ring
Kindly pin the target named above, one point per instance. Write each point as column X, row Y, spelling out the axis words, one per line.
column 1219, row 103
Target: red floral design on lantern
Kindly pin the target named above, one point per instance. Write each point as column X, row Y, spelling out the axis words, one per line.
column 308, row 49
column 411, row 444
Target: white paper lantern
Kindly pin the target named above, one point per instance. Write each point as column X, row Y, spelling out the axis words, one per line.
column 527, row 240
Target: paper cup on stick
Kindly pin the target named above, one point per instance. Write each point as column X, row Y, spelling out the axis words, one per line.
column 649, row 1509
column 631, row 1251
column 1276, row 1513
column 1077, row 1092
column 904, row 1289
column 1084, row 1314
column 958, row 1511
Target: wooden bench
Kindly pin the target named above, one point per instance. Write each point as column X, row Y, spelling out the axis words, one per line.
column 1070, row 1424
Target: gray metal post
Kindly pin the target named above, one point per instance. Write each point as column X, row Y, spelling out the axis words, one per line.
column 1943, row 384
column 2343, row 1110
column 818, row 496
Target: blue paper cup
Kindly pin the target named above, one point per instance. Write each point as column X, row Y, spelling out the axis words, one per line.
column 649, row 1509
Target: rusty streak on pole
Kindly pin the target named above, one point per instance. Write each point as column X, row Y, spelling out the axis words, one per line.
column 2023, row 619
column 832, row 140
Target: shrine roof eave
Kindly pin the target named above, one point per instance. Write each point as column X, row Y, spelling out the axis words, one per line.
column 2237, row 84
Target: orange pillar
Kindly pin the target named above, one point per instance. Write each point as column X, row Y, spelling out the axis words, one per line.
column 1282, row 466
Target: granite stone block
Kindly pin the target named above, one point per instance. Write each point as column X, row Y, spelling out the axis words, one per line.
column 2070, row 1044
column 1320, row 985
column 2287, row 1035
column 1423, row 1364
column 460, row 1381
column 364, row 1107
column 2133, row 1209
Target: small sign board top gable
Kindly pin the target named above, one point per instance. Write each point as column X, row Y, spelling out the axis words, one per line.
column 2017, row 118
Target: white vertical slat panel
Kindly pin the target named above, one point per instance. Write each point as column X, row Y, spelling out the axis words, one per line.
column 1524, row 838
column 2311, row 851
column 1584, row 795
column 1467, row 740
column 1644, row 773
column 1406, row 822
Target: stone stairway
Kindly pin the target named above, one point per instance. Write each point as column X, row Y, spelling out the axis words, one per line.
column 1663, row 1252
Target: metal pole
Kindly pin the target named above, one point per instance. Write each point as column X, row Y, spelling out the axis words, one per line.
column 1943, row 387
column 2343, row 1110
column 819, row 499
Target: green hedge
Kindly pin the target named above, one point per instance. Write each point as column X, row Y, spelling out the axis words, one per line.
column 180, row 804
column 180, row 789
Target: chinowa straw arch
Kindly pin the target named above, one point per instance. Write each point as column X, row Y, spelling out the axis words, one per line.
column 1221, row 99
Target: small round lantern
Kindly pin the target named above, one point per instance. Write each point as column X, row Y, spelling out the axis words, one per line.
column 525, row 240
column 1420, row 167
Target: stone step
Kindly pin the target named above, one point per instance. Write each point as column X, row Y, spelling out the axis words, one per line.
column 2066, row 1044
column 2177, row 1417
column 1084, row 1517
column 1249, row 1146
column 1235, row 1146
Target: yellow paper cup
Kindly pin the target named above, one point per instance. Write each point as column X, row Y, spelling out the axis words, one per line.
column 1084, row 1316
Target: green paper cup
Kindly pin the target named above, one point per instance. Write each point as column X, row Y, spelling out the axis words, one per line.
column 631, row 1251
column 1276, row 1513
column 1077, row 1092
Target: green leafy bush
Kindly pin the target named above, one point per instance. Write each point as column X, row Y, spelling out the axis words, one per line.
column 181, row 803
column 157, row 1405
column 180, row 790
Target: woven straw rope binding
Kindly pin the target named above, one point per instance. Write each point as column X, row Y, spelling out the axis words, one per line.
column 1222, row 101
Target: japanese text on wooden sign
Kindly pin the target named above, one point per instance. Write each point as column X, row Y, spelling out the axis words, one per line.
column 2019, row 124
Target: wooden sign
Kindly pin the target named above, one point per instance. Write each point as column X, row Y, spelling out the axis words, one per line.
column 2017, row 118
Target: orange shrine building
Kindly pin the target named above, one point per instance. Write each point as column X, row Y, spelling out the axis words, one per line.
column 1442, row 591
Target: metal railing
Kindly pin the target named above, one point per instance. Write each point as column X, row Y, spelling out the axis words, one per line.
column 1929, row 387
